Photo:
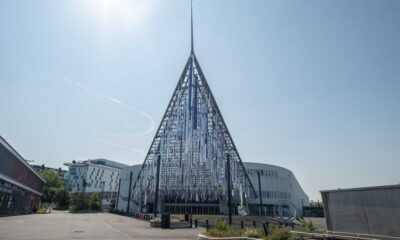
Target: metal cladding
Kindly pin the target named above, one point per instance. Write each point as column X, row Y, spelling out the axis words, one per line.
column 193, row 142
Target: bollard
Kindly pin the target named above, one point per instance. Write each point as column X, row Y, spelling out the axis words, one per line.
column 195, row 223
column 241, row 224
column 265, row 227
column 207, row 225
column 254, row 223
column 190, row 223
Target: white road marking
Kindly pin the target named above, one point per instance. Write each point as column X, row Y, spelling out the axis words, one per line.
column 112, row 228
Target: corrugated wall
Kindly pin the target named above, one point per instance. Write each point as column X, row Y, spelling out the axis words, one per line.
column 366, row 211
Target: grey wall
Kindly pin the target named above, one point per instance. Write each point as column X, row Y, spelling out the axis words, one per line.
column 368, row 211
column 276, row 180
column 124, row 188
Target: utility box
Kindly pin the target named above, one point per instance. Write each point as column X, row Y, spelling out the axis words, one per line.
column 165, row 220
column 187, row 217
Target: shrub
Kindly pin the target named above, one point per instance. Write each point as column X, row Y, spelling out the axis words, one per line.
column 62, row 198
column 81, row 202
column 221, row 229
column 94, row 201
column 72, row 209
column 254, row 233
column 41, row 210
column 307, row 226
column 221, row 226
column 279, row 233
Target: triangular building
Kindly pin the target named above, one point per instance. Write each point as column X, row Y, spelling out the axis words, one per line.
column 192, row 146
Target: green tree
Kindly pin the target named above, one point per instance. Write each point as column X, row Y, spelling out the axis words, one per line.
column 52, row 178
column 54, row 191
column 53, row 183
column 62, row 198
column 95, row 202
column 81, row 201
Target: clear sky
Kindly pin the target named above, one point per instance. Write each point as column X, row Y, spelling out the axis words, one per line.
column 313, row 86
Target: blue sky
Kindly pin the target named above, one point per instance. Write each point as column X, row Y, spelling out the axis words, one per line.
column 312, row 86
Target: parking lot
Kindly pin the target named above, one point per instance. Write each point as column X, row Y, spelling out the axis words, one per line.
column 63, row 225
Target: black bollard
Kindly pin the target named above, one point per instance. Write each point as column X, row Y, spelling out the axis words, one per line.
column 241, row 224
column 190, row 223
column 195, row 223
column 254, row 223
column 265, row 227
column 207, row 225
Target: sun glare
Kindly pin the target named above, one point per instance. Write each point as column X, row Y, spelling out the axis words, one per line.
column 128, row 15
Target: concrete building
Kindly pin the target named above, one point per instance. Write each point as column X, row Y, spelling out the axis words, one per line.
column 20, row 186
column 95, row 176
column 370, row 210
column 128, row 177
column 277, row 184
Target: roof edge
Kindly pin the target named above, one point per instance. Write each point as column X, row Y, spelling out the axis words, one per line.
column 362, row 188
column 19, row 157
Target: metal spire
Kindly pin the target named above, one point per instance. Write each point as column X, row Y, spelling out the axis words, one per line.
column 191, row 21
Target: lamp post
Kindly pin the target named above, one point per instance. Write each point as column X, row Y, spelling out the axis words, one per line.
column 129, row 194
column 157, row 185
column 228, row 165
column 259, row 192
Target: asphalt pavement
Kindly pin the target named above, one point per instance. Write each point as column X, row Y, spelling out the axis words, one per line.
column 88, row 226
